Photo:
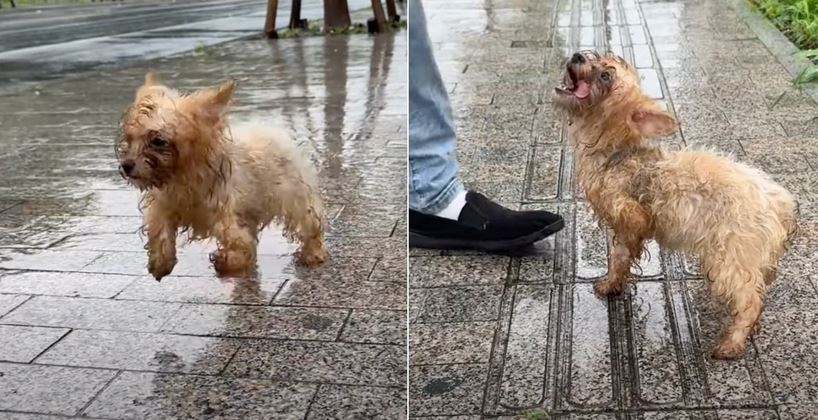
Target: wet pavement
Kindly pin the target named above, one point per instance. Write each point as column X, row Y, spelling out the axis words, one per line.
column 83, row 37
column 84, row 331
column 499, row 337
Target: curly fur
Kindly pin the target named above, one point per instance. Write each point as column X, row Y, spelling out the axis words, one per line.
column 734, row 217
column 200, row 176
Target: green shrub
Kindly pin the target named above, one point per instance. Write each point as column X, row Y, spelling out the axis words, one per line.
column 798, row 19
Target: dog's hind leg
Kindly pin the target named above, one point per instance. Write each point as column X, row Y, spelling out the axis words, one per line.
column 237, row 240
column 743, row 288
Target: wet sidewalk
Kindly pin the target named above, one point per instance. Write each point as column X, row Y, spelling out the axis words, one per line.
column 84, row 331
column 499, row 337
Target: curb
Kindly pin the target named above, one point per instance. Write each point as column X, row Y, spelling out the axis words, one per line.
column 778, row 44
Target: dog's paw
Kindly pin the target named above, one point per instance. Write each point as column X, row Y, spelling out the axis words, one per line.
column 231, row 263
column 606, row 287
column 727, row 350
column 311, row 257
column 160, row 267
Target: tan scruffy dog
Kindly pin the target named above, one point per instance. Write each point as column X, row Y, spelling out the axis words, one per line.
column 199, row 175
column 734, row 217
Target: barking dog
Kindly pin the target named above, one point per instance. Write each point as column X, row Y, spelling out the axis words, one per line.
column 200, row 176
column 734, row 217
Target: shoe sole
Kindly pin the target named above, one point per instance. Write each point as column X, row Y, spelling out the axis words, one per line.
column 417, row 240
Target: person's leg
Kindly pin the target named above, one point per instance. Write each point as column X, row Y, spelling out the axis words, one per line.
column 433, row 181
column 441, row 213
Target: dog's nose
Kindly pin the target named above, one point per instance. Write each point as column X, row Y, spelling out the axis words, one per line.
column 577, row 58
column 127, row 166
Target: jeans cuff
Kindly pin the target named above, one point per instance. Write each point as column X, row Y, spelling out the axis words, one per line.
column 444, row 198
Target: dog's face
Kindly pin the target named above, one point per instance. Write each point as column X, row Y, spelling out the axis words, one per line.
column 164, row 133
column 591, row 79
column 604, row 88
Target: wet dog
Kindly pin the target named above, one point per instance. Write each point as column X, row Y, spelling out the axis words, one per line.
column 732, row 216
column 200, row 176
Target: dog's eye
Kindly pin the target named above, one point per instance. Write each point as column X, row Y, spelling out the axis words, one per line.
column 606, row 76
column 158, row 142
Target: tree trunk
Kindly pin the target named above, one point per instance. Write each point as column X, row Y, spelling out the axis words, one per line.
column 380, row 19
column 336, row 14
column 391, row 10
column 295, row 15
column 270, row 22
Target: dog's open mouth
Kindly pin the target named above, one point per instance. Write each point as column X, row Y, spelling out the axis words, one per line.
column 580, row 89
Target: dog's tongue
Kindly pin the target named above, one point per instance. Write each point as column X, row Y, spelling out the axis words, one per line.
column 582, row 90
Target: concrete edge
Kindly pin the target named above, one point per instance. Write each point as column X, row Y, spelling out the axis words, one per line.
column 775, row 41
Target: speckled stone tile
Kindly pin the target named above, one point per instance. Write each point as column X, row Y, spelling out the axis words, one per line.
column 9, row 302
column 797, row 412
column 461, row 304
column 342, row 293
column 680, row 415
column 49, row 389
column 141, row 351
column 438, row 390
column 358, row 402
column 376, row 327
column 46, row 260
column 64, row 284
column 747, row 415
column 527, row 349
column 258, row 322
column 457, row 271
column 390, row 270
column 50, row 311
column 23, row 344
column 244, row 291
column 448, row 343
column 591, row 246
column 22, row 416
column 342, row 363
column 151, row 396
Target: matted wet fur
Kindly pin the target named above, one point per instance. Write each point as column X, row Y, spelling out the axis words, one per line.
column 198, row 175
column 732, row 216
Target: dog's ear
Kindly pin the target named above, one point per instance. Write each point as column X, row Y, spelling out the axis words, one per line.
column 151, row 79
column 650, row 121
column 212, row 102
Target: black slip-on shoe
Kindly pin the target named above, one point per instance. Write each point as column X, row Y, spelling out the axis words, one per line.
column 483, row 225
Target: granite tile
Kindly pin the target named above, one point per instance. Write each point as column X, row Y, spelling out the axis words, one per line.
column 339, row 363
column 375, row 327
column 461, row 304
column 141, row 351
column 49, row 389
column 50, row 311
column 243, row 291
column 9, row 302
column 358, row 402
column 340, row 292
column 23, row 344
column 258, row 322
column 152, row 396
column 457, row 270
column 797, row 411
column 64, row 284
column 390, row 270
column 449, row 343
column 758, row 414
column 441, row 390
column 46, row 260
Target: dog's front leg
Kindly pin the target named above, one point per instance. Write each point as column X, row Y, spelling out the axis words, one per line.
column 161, row 243
column 631, row 229
column 237, row 246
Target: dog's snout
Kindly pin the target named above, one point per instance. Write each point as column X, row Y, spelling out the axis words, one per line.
column 577, row 58
column 127, row 166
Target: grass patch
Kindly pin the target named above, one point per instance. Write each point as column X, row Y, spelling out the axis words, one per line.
column 202, row 50
column 34, row 3
column 798, row 20
column 537, row 414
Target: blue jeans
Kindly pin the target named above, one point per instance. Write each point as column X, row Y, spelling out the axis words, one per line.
column 433, row 181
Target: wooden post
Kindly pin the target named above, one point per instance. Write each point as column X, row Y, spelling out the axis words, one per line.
column 380, row 19
column 336, row 14
column 392, row 11
column 295, row 15
column 270, row 22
